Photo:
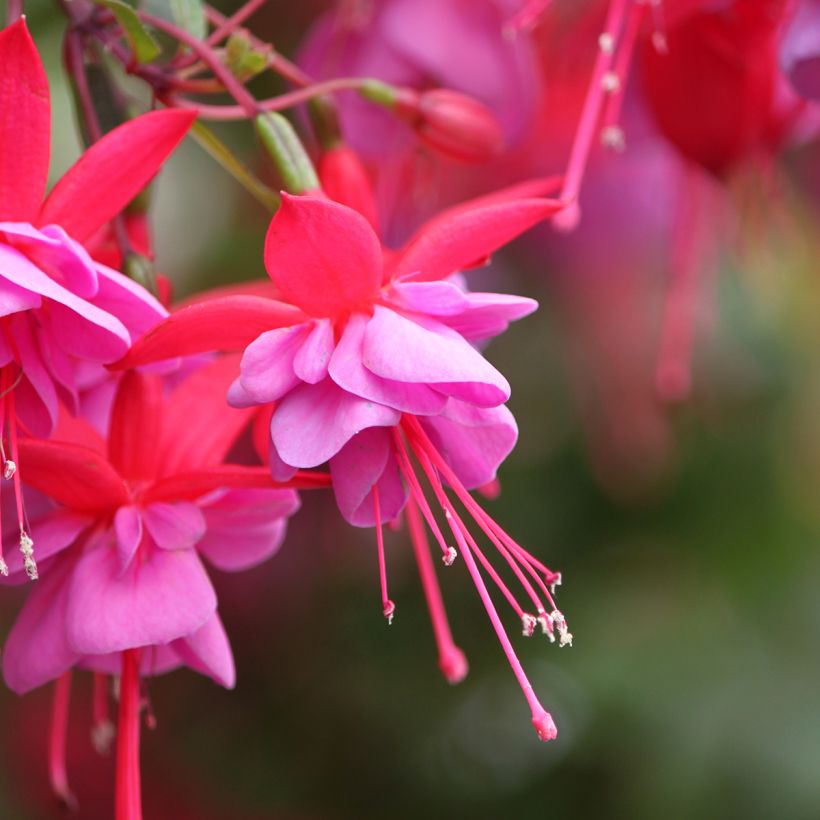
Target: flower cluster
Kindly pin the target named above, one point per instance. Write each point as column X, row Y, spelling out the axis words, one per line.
column 143, row 442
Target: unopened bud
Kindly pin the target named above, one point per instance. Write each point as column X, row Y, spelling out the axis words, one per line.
column 452, row 123
column 287, row 153
column 345, row 180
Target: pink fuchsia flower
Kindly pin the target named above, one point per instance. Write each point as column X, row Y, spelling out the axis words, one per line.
column 369, row 359
column 63, row 315
column 124, row 540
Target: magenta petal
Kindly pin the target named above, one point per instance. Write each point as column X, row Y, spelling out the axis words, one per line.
column 209, row 652
column 35, row 396
column 25, row 124
column 435, row 298
column 245, row 526
column 489, row 314
column 166, row 596
column 315, row 421
column 266, row 372
column 238, row 397
column 176, row 526
column 348, row 371
column 36, row 650
column 51, row 533
column 473, row 440
column 155, row 660
column 128, row 531
column 310, row 363
column 403, row 350
column 131, row 303
column 367, row 460
column 278, row 469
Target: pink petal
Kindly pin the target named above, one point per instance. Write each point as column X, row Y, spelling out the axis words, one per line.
column 83, row 328
column 266, row 372
column 14, row 299
column 403, row 350
column 323, row 257
column 367, row 460
column 128, row 532
column 348, row 371
column 131, row 303
column 113, row 171
column 310, row 363
column 315, row 421
column 36, row 650
column 175, row 526
column 467, row 237
column 208, row 651
column 35, row 396
column 25, row 125
column 164, row 596
column 489, row 314
column 245, row 527
column 226, row 323
column 473, row 440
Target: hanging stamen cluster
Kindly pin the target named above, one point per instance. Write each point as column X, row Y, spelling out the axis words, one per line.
column 412, row 444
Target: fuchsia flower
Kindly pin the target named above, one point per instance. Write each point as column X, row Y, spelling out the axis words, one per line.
column 63, row 314
column 122, row 551
column 368, row 356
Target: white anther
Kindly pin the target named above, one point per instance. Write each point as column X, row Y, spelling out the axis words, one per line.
column 27, row 549
column 389, row 611
column 659, row 42
column 606, row 42
column 528, row 623
column 545, row 622
column 556, row 582
column 4, row 567
column 612, row 137
column 450, row 557
column 102, row 736
column 9, row 470
column 565, row 639
column 558, row 621
column 610, row 82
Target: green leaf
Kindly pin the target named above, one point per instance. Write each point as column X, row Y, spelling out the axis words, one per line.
column 242, row 59
column 190, row 15
column 142, row 42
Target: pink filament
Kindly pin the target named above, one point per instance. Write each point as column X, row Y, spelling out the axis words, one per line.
column 623, row 61
column 57, row 774
column 128, row 798
column 388, row 607
column 451, row 659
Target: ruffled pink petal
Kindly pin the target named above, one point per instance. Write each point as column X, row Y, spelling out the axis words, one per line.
column 113, row 171
column 489, row 314
column 128, row 534
column 176, row 526
column 53, row 250
column 311, row 361
column 51, row 533
column 266, row 372
column 36, row 650
column 323, row 257
column 434, row 298
column 315, row 421
column 25, row 125
column 14, row 299
column 83, row 328
column 474, row 441
column 278, row 469
column 164, row 595
column 245, row 527
column 403, row 350
column 35, row 396
column 239, row 398
column 154, row 660
column 208, row 651
column 348, row 371
column 367, row 460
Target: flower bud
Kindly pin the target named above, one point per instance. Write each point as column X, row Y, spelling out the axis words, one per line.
column 452, row 123
column 287, row 153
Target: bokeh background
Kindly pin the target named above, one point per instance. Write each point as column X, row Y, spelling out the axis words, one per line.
column 689, row 540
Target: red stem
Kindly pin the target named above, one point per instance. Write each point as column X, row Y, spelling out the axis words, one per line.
column 128, row 799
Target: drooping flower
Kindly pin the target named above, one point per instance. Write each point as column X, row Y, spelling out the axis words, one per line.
column 126, row 526
column 63, row 315
column 369, row 358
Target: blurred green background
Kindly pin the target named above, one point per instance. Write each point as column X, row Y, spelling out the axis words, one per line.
column 693, row 687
